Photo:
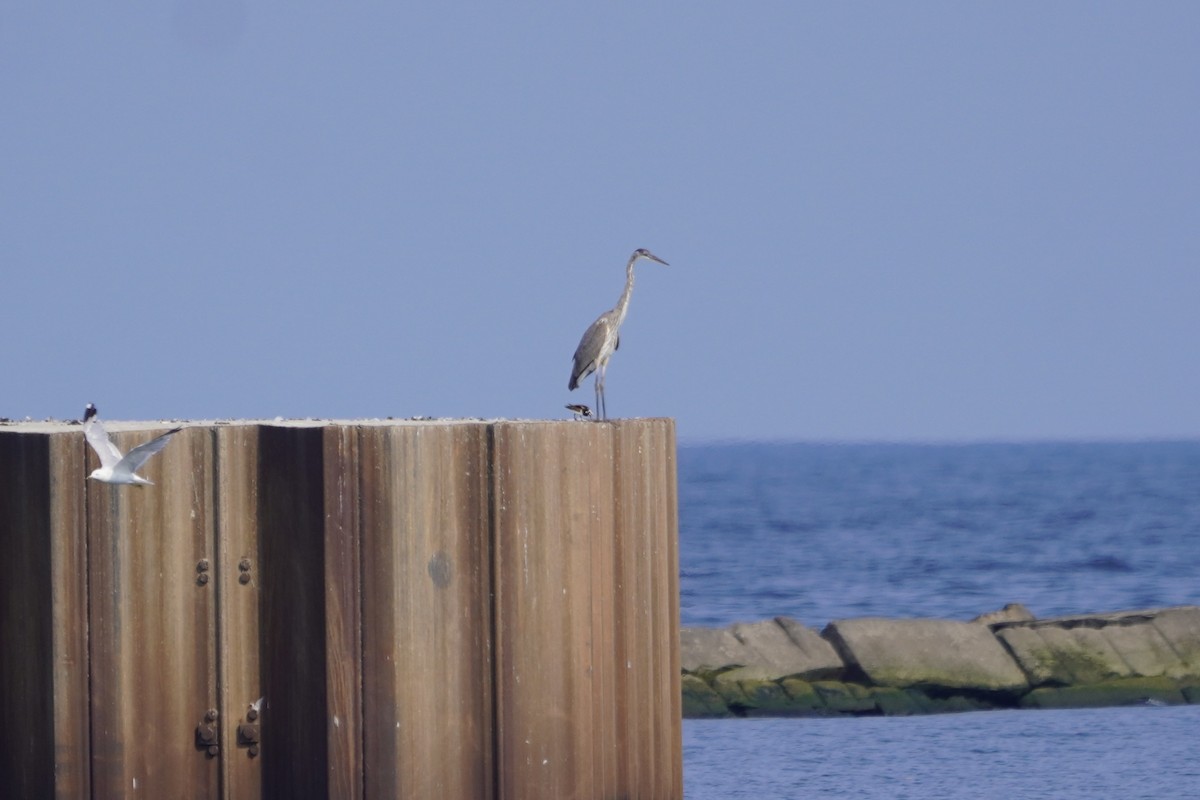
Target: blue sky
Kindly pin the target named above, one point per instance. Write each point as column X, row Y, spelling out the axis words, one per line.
column 885, row 221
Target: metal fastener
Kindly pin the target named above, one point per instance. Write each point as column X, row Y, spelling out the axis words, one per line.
column 202, row 578
column 244, row 578
column 244, row 565
column 202, row 565
column 248, row 733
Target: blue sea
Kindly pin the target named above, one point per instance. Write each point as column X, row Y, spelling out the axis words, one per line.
column 823, row 532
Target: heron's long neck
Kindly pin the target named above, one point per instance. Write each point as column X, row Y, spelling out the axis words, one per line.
column 623, row 303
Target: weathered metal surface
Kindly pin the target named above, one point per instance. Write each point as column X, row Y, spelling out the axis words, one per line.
column 647, row 537
column 449, row 609
column 152, row 622
column 343, row 613
column 44, row 741
column 552, row 500
column 68, row 598
column 292, row 640
column 26, row 697
column 237, row 574
column 584, row 706
column 427, row 612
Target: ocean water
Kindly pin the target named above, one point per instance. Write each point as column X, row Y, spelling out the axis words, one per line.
column 1091, row 754
column 824, row 532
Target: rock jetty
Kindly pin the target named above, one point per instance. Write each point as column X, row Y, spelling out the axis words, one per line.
column 1005, row 659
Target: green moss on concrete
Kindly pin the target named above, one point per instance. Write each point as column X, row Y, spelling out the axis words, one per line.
column 700, row 701
column 901, row 702
column 952, row 704
column 845, row 698
column 803, row 696
column 1073, row 665
column 767, row 699
column 1120, row 692
column 738, row 692
column 727, row 695
column 730, row 691
column 896, row 702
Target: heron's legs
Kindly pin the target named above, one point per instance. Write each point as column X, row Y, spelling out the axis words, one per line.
column 599, row 397
column 601, row 406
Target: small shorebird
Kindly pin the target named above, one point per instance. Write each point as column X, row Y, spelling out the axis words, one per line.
column 114, row 467
column 603, row 337
column 579, row 410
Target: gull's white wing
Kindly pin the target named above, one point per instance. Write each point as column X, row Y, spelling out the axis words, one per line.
column 97, row 437
column 134, row 459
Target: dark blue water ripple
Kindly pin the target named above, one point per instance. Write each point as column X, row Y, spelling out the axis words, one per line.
column 821, row 532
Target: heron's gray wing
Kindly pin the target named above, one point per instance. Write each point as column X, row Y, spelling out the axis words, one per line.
column 588, row 352
column 97, row 437
column 137, row 456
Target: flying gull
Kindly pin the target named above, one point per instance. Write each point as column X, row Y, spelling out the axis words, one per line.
column 114, row 467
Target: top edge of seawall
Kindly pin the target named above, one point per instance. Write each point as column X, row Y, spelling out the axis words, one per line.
column 59, row 426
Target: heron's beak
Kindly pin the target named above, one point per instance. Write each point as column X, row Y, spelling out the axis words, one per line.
column 653, row 257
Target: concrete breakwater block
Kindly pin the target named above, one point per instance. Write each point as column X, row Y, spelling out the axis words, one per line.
column 1013, row 612
column 767, row 650
column 926, row 653
column 1098, row 648
column 1180, row 626
column 711, row 649
column 1002, row 659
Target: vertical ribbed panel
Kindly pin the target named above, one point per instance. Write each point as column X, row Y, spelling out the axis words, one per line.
column 553, row 534
column 426, row 611
column 152, row 623
column 26, row 627
column 587, row 610
column 343, row 611
column 237, row 573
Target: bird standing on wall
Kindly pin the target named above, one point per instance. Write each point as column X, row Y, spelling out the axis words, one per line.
column 603, row 338
column 579, row 410
column 114, row 467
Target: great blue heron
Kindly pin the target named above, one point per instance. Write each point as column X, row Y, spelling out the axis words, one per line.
column 603, row 338
column 114, row 467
